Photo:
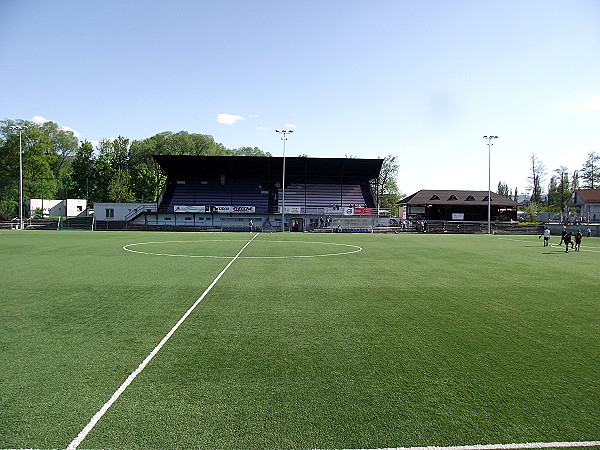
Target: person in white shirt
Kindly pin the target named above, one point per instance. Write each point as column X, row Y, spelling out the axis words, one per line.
column 546, row 236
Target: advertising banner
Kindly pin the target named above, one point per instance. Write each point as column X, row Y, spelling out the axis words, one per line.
column 363, row 211
column 214, row 209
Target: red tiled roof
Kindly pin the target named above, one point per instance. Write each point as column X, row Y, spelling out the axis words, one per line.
column 589, row 195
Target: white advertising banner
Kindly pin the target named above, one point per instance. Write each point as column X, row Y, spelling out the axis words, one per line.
column 333, row 211
column 214, row 209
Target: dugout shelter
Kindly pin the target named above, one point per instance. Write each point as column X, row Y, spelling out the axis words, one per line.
column 231, row 191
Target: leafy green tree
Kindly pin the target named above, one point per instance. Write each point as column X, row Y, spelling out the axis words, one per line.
column 386, row 187
column 503, row 189
column 559, row 190
column 63, row 144
column 83, row 172
column 590, row 172
column 119, row 187
column 250, row 151
column 532, row 210
column 143, row 183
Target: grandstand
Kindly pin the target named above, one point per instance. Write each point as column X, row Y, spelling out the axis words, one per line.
column 228, row 191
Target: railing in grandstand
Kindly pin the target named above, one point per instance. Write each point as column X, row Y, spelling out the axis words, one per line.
column 323, row 196
column 352, row 225
column 242, row 224
column 146, row 207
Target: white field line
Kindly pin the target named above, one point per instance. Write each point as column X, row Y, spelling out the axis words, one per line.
column 81, row 436
column 505, row 446
column 356, row 249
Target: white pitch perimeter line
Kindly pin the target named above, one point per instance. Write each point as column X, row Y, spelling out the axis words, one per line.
column 81, row 436
column 505, row 446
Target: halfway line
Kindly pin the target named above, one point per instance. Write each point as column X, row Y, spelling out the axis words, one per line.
column 81, row 436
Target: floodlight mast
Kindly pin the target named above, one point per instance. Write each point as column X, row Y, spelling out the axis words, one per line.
column 20, row 128
column 489, row 144
column 284, row 138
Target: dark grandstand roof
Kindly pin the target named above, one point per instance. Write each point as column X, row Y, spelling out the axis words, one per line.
column 449, row 197
column 297, row 169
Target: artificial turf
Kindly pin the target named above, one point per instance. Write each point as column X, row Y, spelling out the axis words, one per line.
column 415, row 340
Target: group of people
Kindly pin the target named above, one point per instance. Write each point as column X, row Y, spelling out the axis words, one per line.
column 567, row 237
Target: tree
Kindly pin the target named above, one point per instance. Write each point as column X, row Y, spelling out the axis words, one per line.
column 386, row 187
column 250, row 151
column 46, row 149
column 575, row 180
column 590, row 173
column 531, row 211
column 83, row 172
column 119, row 189
column 503, row 189
column 560, row 189
column 538, row 171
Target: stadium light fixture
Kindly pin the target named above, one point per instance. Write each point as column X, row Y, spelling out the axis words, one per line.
column 20, row 128
column 489, row 144
column 284, row 138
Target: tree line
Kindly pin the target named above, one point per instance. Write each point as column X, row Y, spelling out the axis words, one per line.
column 553, row 197
column 57, row 165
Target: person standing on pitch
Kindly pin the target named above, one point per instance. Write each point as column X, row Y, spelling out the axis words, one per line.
column 567, row 241
column 564, row 233
column 250, row 225
column 578, row 237
column 546, row 236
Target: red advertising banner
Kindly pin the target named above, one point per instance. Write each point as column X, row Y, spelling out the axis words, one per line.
column 363, row 211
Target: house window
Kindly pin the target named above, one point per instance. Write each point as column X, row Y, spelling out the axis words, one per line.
column 435, row 197
column 485, row 199
column 453, row 197
column 470, row 198
column 109, row 213
column 79, row 208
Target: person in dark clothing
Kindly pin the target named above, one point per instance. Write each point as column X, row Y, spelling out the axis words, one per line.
column 578, row 237
column 564, row 233
column 567, row 241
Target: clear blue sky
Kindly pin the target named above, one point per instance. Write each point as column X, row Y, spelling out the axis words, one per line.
column 423, row 80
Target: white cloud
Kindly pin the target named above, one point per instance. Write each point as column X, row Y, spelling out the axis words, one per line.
column 261, row 128
column 228, row 119
column 591, row 104
column 40, row 120
column 290, row 125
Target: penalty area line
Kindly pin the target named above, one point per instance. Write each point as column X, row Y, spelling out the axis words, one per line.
column 92, row 423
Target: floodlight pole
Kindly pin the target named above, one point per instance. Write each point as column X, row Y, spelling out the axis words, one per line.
column 489, row 144
column 284, row 138
column 20, row 128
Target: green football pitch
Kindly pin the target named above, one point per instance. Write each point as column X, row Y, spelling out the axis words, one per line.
column 356, row 341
